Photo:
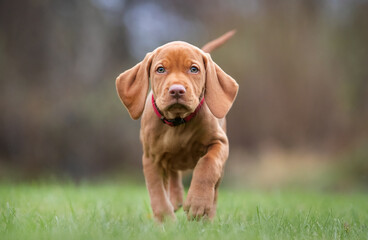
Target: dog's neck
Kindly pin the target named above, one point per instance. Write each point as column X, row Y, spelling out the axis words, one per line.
column 176, row 121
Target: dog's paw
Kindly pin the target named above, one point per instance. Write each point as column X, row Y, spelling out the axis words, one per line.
column 176, row 198
column 163, row 215
column 200, row 204
column 177, row 203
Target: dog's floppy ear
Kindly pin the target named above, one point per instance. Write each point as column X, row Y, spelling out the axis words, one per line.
column 221, row 89
column 132, row 86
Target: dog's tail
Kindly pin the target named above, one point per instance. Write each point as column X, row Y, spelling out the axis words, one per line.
column 210, row 46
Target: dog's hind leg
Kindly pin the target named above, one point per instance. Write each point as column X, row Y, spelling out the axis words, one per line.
column 176, row 190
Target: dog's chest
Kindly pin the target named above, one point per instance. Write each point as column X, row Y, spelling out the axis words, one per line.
column 181, row 150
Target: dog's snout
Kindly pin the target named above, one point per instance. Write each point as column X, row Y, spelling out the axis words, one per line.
column 177, row 90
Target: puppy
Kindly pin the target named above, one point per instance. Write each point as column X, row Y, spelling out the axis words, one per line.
column 182, row 124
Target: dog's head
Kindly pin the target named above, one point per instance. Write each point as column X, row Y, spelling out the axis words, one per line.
column 180, row 74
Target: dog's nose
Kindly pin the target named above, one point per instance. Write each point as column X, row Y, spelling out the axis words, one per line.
column 177, row 90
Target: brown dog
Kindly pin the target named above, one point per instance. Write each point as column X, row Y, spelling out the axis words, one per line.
column 183, row 124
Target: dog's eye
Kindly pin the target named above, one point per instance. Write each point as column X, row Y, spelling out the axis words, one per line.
column 160, row 70
column 194, row 69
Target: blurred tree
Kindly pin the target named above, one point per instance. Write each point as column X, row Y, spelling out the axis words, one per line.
column 300, row 66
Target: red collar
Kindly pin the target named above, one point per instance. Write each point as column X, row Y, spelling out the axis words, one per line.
column 176, row 121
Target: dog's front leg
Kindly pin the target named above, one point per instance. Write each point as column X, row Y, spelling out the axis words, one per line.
column 160, row 202
column 202, row 194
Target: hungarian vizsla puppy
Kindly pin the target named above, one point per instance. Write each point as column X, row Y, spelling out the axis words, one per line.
column 183, row 124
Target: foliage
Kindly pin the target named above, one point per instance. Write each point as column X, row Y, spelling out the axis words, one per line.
column 114, row 211
column 301, row 67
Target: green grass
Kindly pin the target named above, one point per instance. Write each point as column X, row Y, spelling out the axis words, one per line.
column 115, row 211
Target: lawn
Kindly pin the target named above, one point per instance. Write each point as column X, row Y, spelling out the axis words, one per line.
column 122, row 211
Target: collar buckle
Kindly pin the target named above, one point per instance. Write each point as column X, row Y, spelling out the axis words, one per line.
column 177, row 121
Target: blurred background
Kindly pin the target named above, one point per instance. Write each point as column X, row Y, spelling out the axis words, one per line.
column 300, row 118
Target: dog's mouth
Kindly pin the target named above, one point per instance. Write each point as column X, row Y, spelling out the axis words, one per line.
column 176, row 110
column 177, row 107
